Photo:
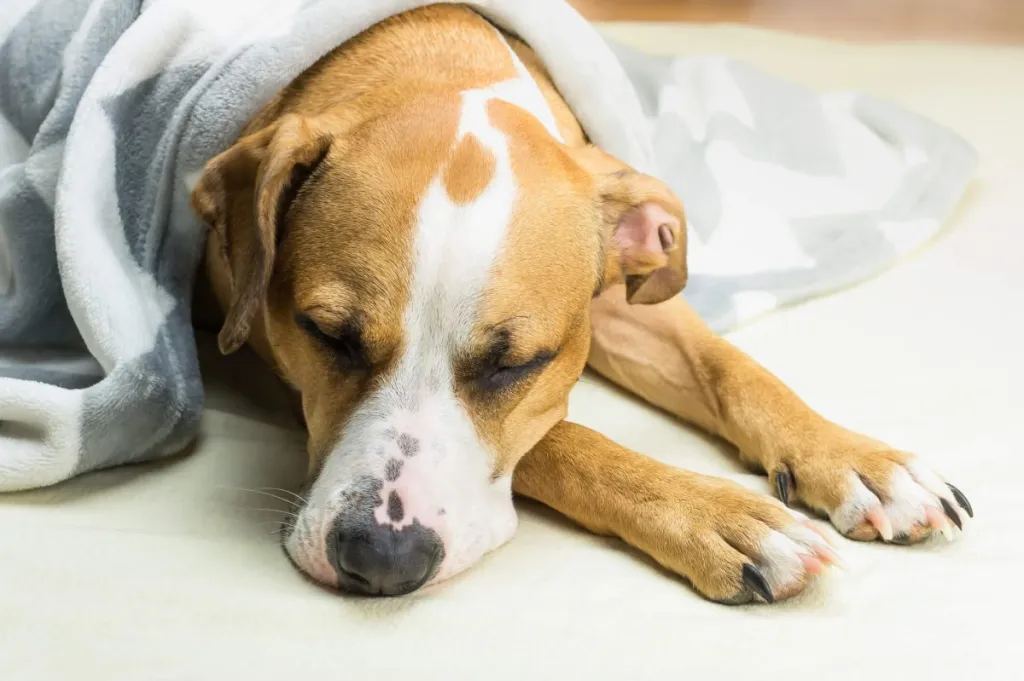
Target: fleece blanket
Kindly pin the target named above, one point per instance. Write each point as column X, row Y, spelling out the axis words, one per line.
column 109, row 109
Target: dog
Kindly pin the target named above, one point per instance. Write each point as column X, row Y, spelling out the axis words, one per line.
column 418, row 237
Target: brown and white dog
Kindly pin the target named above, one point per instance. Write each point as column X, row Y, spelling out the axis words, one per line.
column 418, row 237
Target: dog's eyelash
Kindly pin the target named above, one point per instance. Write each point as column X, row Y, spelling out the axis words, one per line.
column 496, row 377
column 345, row 344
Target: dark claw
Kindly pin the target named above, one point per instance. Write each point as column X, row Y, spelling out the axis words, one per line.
column 783, row 483
column 961, row 499
column 753, row 578
column 951, row 514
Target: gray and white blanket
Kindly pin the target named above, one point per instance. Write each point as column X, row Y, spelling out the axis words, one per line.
column 109, row 108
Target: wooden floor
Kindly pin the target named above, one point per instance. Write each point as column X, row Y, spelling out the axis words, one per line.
column 985, row 21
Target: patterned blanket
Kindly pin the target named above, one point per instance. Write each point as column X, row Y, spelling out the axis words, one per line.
column 109, row 108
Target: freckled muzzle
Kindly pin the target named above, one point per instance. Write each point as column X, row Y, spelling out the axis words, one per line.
column 372, row 540
column 405, row 498
column 377, row 556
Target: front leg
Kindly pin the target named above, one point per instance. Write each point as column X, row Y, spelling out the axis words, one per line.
column 667, row 355
column 729, row 542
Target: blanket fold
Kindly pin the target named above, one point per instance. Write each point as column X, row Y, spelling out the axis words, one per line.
column 110, row 108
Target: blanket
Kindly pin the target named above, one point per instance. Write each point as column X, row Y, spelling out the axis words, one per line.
column 110, row 108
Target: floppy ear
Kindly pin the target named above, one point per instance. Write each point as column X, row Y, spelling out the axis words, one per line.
column 644, row 229
column 244, row 195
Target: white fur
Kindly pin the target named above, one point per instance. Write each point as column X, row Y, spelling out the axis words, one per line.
column 909, row 500
column 447, row 484
column 781, row 552
column 859, row 500
column 780, row 561
column 928, row 479
column 524, row 92
column 913, row 492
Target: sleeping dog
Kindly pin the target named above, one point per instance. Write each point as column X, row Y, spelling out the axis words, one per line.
column 418, row 237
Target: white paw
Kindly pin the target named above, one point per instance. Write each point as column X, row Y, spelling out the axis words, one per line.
column 906, row 505
column 788, row 557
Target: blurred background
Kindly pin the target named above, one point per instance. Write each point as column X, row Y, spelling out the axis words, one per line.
column 984, row 21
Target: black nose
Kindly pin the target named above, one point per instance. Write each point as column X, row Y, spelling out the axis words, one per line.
column 382, row 561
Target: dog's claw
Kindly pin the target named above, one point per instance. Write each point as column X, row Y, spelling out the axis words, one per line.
column 753, row 578
column 961, row 499
column 783, row 484
column 951, row 514
column 878, row 518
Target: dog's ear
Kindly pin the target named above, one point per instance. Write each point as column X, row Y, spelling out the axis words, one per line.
column 244, row 195
column 644, row 229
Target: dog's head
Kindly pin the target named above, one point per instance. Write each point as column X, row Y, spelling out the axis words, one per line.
column 422, row 277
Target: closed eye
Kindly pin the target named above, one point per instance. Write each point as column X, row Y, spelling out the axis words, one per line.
column 499, row 376
column 344, row 343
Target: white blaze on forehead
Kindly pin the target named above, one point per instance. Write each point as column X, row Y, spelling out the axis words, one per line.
column 456, row 245
column 524, row 93
column 446, row 483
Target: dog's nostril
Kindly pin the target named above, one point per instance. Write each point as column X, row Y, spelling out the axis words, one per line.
column 383, row 561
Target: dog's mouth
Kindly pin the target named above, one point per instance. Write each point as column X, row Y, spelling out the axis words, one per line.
column 352, row 579
column 353, row 583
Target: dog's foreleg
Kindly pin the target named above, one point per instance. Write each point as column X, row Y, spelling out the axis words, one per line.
column 729, row 542
column 668, row 356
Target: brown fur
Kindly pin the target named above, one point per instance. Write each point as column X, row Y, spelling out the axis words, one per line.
column 387, row 101
column 377, row 118
column 469, row 171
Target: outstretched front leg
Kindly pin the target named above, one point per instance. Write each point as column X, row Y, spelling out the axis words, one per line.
column 665, row 354
column 730, row 543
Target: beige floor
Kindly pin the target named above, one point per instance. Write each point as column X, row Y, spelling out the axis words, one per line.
column 977, row 21
column 164, row 572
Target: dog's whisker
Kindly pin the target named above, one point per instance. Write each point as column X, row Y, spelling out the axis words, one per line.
column 290, row 502
column 279, row 528
column 301, row 499
column 283, row 512
column 289, row 522
column 264, row 492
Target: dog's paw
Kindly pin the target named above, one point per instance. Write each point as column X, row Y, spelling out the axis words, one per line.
column 735, row 545
column 871, row 493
